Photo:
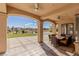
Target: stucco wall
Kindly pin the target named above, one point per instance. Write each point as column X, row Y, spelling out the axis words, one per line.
column 2, row 32
column 3, row 7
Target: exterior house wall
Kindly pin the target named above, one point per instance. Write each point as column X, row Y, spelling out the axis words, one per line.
column 65, row 20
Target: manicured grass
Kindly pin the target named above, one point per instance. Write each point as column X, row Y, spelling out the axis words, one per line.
column 13, row 35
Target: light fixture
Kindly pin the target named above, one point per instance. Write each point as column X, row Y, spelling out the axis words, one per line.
column 56, row 25
column 36, row 7
column 58, row 17
column 76, row 37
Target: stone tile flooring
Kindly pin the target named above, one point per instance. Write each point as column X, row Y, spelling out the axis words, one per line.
column 29, row 46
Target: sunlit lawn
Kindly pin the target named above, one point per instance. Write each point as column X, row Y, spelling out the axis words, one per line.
column 13, row 35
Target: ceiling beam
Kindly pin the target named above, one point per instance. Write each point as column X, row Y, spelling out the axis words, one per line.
column 13, row 10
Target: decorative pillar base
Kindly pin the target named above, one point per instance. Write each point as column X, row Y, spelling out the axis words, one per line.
column 40, row 41
column 76, row 48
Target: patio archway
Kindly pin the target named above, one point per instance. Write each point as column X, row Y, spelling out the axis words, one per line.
column 21, row 25
column 15, row 11
column 48, row 28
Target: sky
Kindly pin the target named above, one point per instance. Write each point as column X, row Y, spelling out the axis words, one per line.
column 24, row 22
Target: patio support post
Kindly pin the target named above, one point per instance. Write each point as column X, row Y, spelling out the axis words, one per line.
column 77, row 35
column 3, row 32
column 40, row 31
column 54, row 28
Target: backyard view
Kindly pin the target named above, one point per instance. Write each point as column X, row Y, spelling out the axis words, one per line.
column 20, row 27
column 23, row 27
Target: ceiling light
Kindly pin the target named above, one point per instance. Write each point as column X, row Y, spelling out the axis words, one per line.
column 36, row 7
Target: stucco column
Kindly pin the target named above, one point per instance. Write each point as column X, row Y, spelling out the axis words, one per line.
column 40, row 31
column 53, row 28
column 77, row 35
column 3, row 32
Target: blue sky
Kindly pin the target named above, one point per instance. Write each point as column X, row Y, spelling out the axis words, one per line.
column 20, row 21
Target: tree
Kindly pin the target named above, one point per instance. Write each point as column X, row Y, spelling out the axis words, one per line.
column 23, row 32
column 12, row 28
column 16, row 30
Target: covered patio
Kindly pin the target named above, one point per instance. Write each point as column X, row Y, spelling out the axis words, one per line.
column 64, row 16
column 28, row 46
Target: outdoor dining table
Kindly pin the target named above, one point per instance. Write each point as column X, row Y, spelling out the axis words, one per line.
column 59, row 37
column 62, row 39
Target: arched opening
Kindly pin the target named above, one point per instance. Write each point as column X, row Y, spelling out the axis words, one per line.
column 16, row 24
column 21, row 30
column 48, row 28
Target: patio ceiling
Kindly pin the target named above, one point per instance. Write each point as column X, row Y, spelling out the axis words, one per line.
column 48, row 10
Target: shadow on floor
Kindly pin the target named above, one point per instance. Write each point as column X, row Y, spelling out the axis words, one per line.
column 47, row 50
column 64, row 49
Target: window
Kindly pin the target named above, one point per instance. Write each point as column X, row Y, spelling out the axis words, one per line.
column 67, row 28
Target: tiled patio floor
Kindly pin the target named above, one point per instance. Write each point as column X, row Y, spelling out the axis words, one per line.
column 28, row 46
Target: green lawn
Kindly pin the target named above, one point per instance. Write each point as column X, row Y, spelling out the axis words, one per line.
column 13, row 35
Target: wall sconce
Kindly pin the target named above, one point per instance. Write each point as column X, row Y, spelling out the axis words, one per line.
column 76, row 38
column 56, row 25
column 56, row 28
column 71, row 32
